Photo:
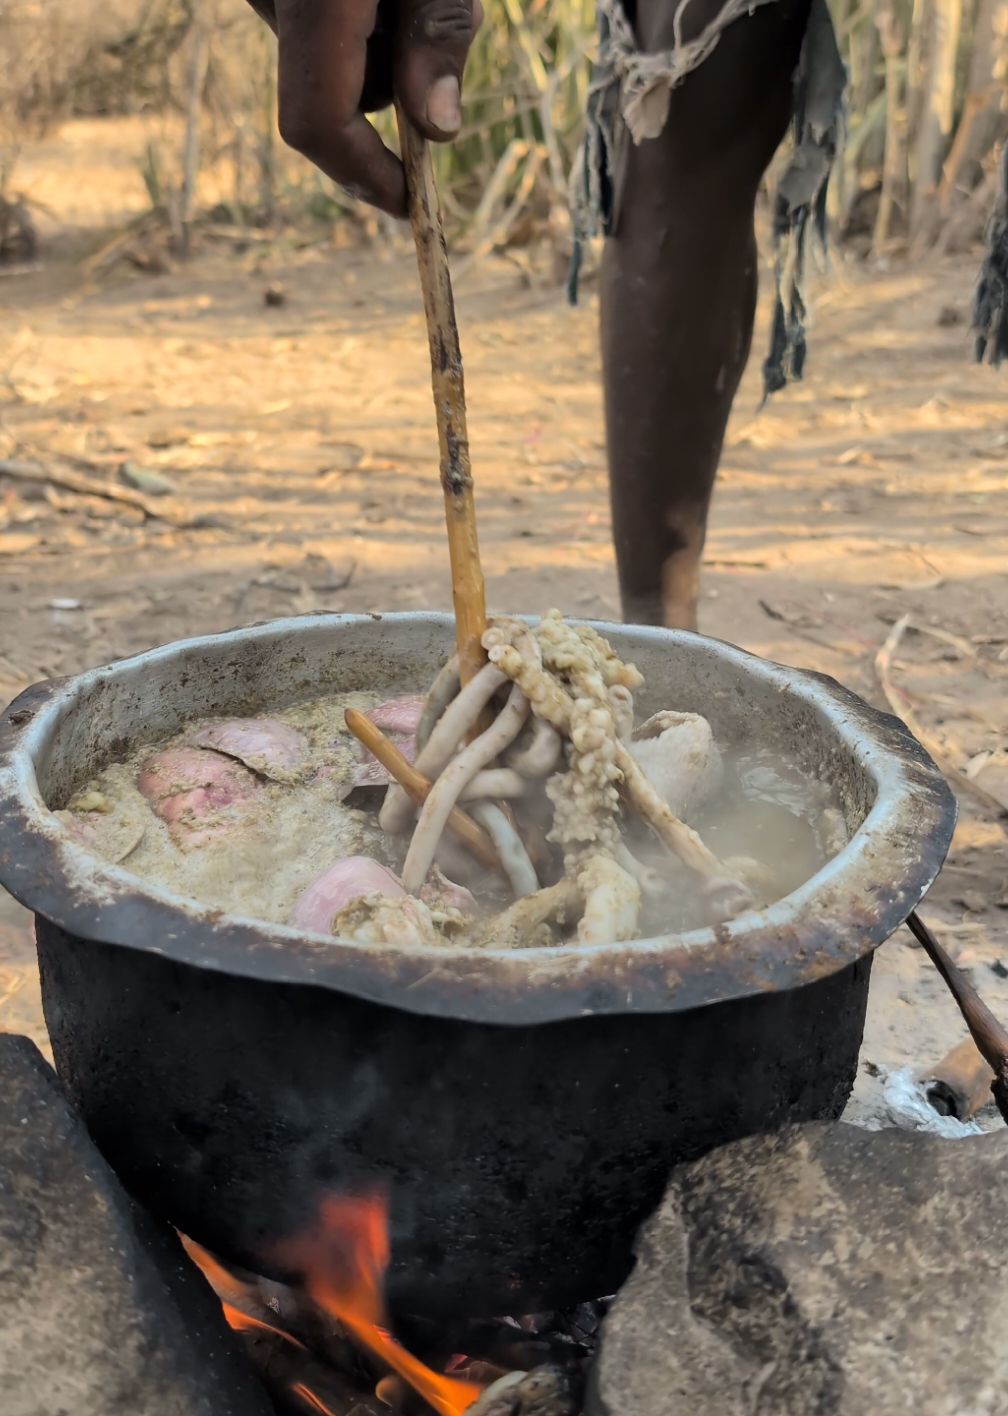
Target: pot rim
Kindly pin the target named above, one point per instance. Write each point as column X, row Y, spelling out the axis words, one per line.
column 840, row 914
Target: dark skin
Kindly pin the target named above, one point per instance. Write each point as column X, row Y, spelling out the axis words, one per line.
column 678, row 294
column 341, row 59
column 678, row 291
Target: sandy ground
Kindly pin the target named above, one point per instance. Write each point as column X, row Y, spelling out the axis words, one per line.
column 300, row 444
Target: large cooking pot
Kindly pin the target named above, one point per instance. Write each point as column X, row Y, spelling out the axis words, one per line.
column 523, row 1109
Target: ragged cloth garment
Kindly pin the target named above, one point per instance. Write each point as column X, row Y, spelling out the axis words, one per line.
column 629, row 97
column 990, row 299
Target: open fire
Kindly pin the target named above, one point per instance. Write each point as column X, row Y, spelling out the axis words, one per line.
column 343, row 1262
column 342, row 1259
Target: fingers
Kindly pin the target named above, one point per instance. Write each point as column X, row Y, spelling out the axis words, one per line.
column 432, row 43
column 334, row 64
column 323, row 57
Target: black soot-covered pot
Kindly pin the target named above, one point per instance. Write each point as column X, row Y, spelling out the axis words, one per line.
column 522, row 1109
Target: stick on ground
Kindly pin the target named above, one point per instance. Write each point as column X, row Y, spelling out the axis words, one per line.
column 987, row 1032
column 76, row 482
column 20, row 471
column 468, row 591
column 901, row 706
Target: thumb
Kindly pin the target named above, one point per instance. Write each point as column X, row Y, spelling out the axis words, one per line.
column 432, row 42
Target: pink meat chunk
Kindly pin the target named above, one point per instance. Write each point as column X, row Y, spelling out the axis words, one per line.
column 398, row 719
column 438, row 892
column 397, row 715
column 370, row 772
column 266, row 745
column 333, row 890
column 190, row 789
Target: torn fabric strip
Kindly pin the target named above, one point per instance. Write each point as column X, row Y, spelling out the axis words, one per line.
column 799, row 210
column 629, row 93
column 629, row 96
column 990, row 300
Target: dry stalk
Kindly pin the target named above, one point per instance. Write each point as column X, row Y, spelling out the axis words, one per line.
column 106, row 256
column 498, row 233
column 495, row 188
column 199, row 62
column 988, row 1034
column 894, row 168
column 900, row 703
column 86, row 486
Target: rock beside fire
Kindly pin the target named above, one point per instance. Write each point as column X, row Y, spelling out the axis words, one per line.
column 826, row 1269
column 103, row 1315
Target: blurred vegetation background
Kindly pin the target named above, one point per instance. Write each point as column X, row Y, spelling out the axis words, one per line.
column 927, row 118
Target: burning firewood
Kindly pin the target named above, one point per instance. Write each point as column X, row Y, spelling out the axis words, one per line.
column 323, row 1347
column 301, row 1385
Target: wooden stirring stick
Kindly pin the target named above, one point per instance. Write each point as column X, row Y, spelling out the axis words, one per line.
column 468, row 591
column 417, row 786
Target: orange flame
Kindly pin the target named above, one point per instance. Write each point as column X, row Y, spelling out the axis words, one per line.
column 343, row 1260
column 227, row 1287
column 313, row 1402
column 244, row 1322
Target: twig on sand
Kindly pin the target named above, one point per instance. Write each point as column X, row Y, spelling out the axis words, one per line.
column 92, row 487
column 76, row 482
column 100, row 261
column 988, row 1034
column 965, row 648
column 900, row 703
